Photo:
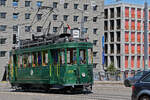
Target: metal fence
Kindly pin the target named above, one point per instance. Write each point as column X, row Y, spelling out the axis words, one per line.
column 115, row 76
column 106, row 76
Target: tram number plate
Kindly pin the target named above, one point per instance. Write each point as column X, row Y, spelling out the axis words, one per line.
column 70, row 71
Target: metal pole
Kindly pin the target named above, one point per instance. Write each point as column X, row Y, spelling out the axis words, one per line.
column 145, row 36
column 18, row 37
column 82, row 25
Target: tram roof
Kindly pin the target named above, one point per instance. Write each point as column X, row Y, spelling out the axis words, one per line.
column 54, row 46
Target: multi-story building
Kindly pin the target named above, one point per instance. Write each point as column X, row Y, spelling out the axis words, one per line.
column 124, row 34
column 22, row 15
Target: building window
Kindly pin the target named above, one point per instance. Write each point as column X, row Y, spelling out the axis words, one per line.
column 54, row 29
column 75, row 18
column 2, row 53
column 94, row 42
column 2, row 2
column 85, row 18
column 95, row 31
column 39, row 17
column 54, row 17
column 76, row 6
column 94, row 19
column 55, row 4
column 95, row 8
column 85, row 30
column 39, row 3
column 2, row 27
column 3, row 15
column 65, row 5
column 27, row 16
column 65, row 29
column 2, row 40
column 27, row 28
column 15, row 15
column 15, row 28
column 15, row 3
column 27, row 3
column 39, row 28
column 65, row 17
column 94, row 54
column 85, row 6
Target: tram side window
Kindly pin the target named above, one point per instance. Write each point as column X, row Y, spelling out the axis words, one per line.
column 39, row 59
column 71, row 56
column 82, row 56
column 68, row 57
column 29, row 60
column 20, row 60
column 44, row 58
column 11, row 61
column 15, row 59
column 25, row 60
column 10, row 64
column 90, row 56
column 34, row 56
column 62, row 57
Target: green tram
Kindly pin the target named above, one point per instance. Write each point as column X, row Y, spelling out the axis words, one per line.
column 66, row 64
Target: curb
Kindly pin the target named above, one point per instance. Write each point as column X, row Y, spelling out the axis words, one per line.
column 3, row 81
column 109, row 82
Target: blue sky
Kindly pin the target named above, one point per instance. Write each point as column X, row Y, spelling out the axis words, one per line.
column 139, row 2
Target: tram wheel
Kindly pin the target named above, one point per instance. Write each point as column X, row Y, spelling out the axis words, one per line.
column 87, row 89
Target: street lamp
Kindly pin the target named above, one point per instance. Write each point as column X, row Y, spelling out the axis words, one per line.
column 145, row 36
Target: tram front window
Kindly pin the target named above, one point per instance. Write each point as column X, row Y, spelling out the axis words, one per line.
column 71, row 56
column 82, row 56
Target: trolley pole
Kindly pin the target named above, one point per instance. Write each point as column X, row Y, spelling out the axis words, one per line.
column 145, row 36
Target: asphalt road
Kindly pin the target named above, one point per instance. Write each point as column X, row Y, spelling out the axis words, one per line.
column 100, row 92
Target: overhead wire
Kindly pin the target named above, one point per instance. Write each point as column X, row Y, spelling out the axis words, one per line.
column 34, row 17
column 50, row 12
column 58, row 15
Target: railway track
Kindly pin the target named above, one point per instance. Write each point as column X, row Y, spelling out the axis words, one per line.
column 93, row 96
column 99, row 93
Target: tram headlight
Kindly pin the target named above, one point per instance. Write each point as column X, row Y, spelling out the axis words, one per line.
column 83, row 74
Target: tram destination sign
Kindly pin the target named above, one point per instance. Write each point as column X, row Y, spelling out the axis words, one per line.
column 76, row 33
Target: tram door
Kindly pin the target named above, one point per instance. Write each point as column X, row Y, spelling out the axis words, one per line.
column 82, row 64
column 55, row 66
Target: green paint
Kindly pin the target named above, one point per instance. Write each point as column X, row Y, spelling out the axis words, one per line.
column 61, row 74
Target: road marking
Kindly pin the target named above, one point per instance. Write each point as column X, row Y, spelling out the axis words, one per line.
column 3, row 81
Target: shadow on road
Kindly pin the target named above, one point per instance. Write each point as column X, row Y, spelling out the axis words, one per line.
column 52, row 91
